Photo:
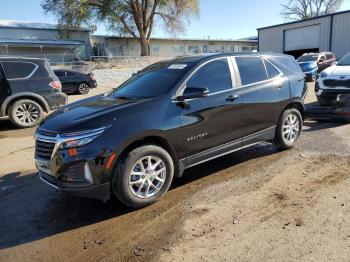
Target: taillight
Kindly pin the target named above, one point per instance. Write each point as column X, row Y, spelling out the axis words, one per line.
column 56, row 85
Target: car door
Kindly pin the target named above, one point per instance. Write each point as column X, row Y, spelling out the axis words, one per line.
column 211, row 125
column 264, row 93
column 71, row 81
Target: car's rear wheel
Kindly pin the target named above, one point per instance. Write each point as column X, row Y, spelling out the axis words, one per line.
column 143, row 176
column 25, row 113
column 288, row 129
column 83, row 88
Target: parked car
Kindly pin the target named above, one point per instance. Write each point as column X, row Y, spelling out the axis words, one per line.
column 28, row 89
column 313, row 63
column 76, row 82
column 333, row 82
column 168, row 117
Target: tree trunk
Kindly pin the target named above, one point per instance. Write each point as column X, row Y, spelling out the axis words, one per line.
column 145, row 48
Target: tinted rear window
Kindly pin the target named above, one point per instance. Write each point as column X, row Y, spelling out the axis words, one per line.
column 18, row 70
column 251, row 69
column 308, row 58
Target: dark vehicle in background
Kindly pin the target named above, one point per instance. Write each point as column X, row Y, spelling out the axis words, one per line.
column 170, row 116
column 76, row 82
column 313, row 63
column 28, row 89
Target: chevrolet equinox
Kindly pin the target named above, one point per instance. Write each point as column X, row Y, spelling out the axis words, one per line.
column 172, row 115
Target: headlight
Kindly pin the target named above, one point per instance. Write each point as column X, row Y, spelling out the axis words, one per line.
column 324, row 75
column 78, row 139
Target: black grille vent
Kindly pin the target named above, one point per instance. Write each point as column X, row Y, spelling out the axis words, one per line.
column 43, row 150
column 337, row 83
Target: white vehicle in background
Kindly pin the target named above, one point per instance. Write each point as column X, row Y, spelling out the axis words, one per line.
column 334, row 82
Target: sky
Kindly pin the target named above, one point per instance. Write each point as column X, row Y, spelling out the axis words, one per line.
column 219, row 19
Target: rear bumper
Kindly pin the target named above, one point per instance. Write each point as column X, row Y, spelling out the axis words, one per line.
column 101, row 192
column 57, row 100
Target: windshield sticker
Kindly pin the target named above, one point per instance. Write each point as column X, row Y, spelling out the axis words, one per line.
column 178, row 66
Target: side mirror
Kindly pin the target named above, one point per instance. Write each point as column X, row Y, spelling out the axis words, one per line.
column 192, row 93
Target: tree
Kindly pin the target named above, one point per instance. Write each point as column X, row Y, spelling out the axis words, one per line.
column 304, row 9
column 135, row 18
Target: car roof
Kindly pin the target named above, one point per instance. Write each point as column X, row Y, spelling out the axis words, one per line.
column 204, row 57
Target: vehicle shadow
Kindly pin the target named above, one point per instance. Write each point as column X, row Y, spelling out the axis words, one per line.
column 312, row 126
column 30, row 210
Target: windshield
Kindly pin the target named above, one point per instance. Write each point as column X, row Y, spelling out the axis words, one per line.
column 153, row 81
column 308, row 58
column 345, row 61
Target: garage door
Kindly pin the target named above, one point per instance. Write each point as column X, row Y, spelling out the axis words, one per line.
column 303, row 38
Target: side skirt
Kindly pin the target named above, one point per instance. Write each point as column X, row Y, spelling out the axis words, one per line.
column 228, row 148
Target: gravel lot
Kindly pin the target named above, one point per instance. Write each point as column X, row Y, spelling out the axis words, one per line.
column 257, row 205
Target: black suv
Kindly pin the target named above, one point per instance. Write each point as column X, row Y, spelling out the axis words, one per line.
column 28, row 88
column 168, row 117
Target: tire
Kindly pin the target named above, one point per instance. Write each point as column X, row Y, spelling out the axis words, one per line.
column 285, row 140
column 25, row 113
column 129, row 178
column 83, row 88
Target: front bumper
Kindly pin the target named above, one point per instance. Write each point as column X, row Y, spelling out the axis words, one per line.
column 101, row 192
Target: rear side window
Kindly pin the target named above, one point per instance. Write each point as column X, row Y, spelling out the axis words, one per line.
column 271, row 70
column 251, row 69
column 329, row 56
column 215, row 76
column 286, row 64
column 18, row 70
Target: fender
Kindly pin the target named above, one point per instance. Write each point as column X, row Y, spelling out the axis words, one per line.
column 8, row 100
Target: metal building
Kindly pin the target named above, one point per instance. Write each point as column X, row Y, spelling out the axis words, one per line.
column 43, row 40
column 113, row 46
column 324, row 33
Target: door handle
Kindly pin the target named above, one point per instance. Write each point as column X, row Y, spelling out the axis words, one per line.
column 232, row 98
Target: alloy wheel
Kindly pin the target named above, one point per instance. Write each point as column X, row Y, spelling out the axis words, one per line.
column 147, row 177
column 291, row 128
column 83, row 88
column 27, row 113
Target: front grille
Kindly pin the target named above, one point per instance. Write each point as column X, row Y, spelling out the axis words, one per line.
column 43, row 150
column 336, row 83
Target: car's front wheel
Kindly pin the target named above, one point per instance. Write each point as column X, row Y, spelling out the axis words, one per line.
column 25, row 113
column 288, row 129
column 143, row 176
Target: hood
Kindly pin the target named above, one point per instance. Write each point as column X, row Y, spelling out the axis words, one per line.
column 90, row 113
column 307, row 66
column 338, row 70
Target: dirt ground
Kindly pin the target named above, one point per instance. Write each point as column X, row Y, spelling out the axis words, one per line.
column 259, row 204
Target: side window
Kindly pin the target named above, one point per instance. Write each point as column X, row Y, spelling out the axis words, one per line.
column 271, row 70
column 215, row 76
column 60, row 73
column 70, row 73
column 251, row 69
column 286, row 64
column 14, row 70
column 329, row 56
